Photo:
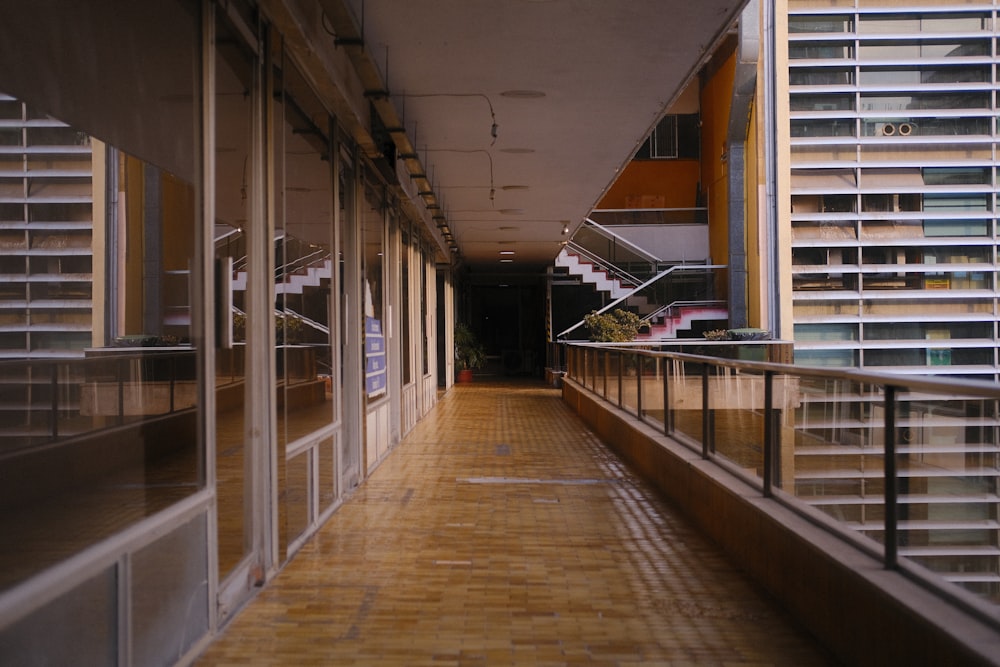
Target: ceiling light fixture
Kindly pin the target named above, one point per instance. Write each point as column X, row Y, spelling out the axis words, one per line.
column 506, row 252
column 565, row 229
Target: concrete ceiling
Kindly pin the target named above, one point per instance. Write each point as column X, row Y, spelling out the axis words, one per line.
column 573, row 87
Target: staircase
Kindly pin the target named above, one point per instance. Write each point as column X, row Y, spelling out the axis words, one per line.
column 591, row 274
column 681, row 320
column 676, row 302
column 293, row 283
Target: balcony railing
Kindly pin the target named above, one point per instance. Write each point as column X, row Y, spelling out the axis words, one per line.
column 904, row 468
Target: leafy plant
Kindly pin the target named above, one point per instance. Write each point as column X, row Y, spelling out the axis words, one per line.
column 737, row 334
column 618, row 326
column 469, row 352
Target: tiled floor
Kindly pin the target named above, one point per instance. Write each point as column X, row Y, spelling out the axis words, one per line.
column 501, row 532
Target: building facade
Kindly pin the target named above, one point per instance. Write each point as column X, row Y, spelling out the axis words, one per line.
column 887, row 184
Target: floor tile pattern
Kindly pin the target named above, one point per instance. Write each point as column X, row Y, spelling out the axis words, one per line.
column 502, row 532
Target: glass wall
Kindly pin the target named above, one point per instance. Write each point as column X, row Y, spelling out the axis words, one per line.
column 373, row 240
column 100, row 246
column 237, row 82
column 303, row 279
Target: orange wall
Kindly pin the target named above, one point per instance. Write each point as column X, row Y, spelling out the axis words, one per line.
column 716, row 99
column 654, row 184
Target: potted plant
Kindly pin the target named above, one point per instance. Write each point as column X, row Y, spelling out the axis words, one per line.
column 469, row 352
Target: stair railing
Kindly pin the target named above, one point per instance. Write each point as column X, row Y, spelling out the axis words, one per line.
column 621, row 241
column 666, row 311
column 615, row 250
column 666, row 275
column 604, row 265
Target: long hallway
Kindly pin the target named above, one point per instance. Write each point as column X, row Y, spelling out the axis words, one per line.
column 502, row 532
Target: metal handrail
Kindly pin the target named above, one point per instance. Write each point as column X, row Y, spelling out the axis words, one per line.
column 603, row 264
column 680, row 304
column 617, row 238
column 895, row 391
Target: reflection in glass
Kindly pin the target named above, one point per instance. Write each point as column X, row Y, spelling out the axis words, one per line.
column 102, row 378
column 373, row 230
column 233, row 183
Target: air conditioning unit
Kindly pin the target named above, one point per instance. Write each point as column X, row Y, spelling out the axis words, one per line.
column 906, row 129
column 885, row 129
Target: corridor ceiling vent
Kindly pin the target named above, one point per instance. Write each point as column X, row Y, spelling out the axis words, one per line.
column 523, row 94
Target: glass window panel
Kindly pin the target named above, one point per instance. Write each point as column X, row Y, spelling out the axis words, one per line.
column 820, row 76
column 917, row 23
column 101, row 295
column 919, row 49
column 235, row 87
column 949, row 202
column 956, row 175
column 297, row 511
column 426, row 283
column 372, row 234
column 832, row 102
column 821, row 23
column 29, row 641
column 820, row 50
column 327, row 477
column 823, row 128
column 169, row 595
column 926, row 330
column 404, row 315
column 830, row 358
column 303, row 260
column 816, row 332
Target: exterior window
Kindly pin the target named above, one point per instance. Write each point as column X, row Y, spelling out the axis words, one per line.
column 956, row 175
column 901, row 126
column 822, row 102
column 820, row 50
column 917, row 23
column 823, row 128
column 924, row 48
column 813, row 24
column 829, row 358
column 944, row 202
column 817, row 332
column 675, row 136
column 901, row 103
column 820, row 76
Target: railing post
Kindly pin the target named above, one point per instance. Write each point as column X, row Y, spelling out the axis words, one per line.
column 639, row 368
column 55, row 400
column 706, row 418
column 621, row 368
column 173, row 379
column 769, row 453
column 121, row 390
column 666, row 396
column 891, row 481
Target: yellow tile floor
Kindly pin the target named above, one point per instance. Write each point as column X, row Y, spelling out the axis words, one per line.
column 502, row 532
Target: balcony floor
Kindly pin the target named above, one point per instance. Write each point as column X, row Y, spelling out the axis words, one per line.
column 502, row 532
